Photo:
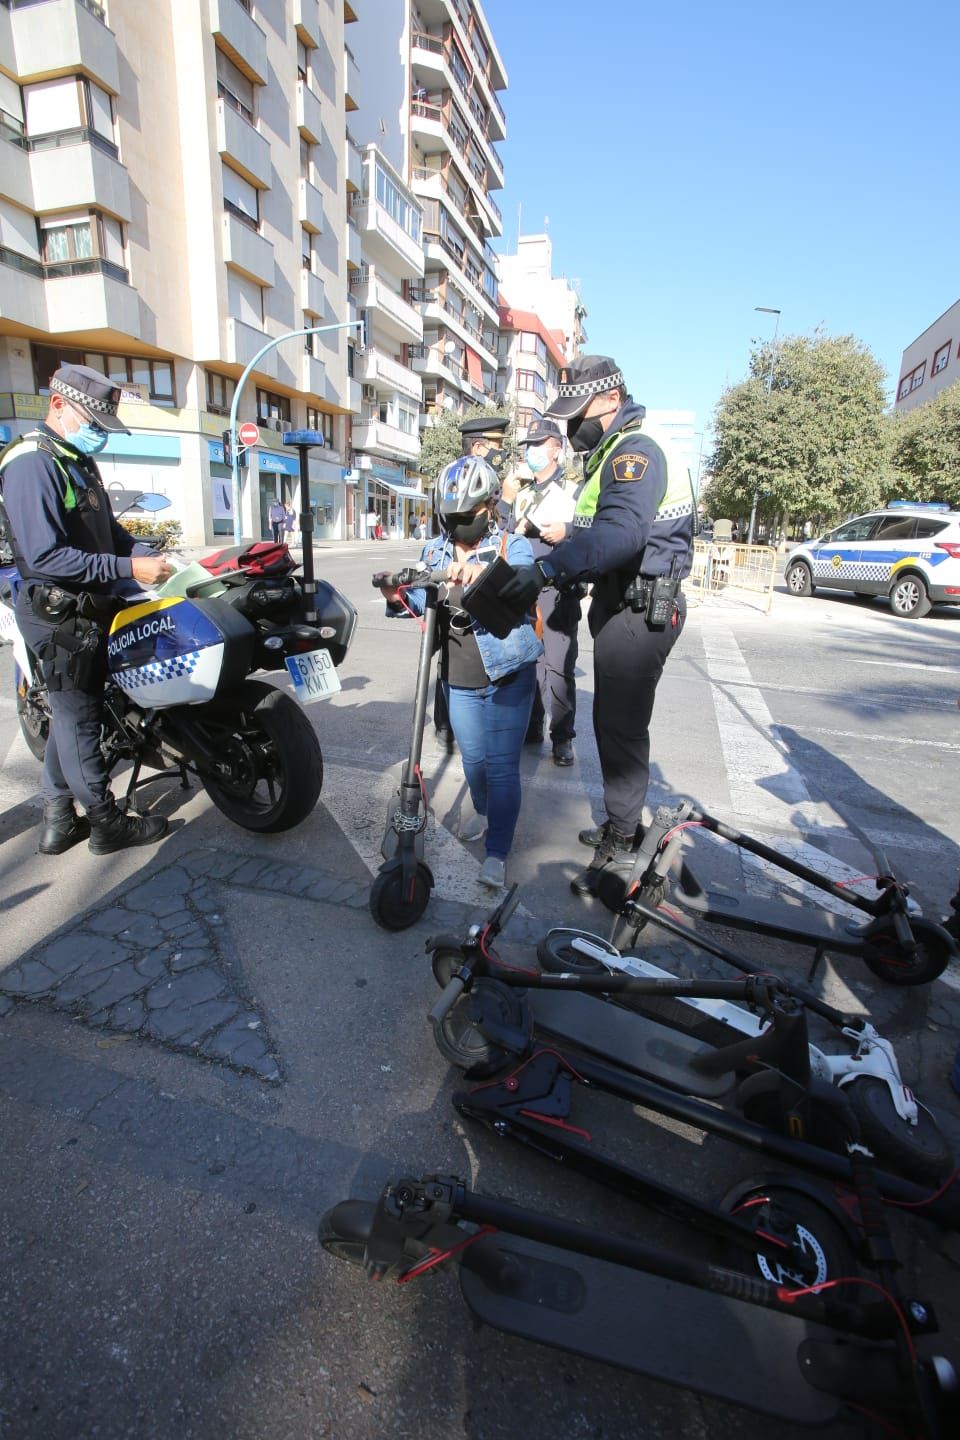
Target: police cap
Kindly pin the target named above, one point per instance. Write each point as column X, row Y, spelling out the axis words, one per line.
column 582, row 379
column 484, row 427
column 542, row 429
column 92, row 393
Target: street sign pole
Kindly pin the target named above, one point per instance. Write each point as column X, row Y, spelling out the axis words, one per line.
column 235, row 465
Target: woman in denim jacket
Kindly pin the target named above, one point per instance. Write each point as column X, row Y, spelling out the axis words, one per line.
column 489, row 683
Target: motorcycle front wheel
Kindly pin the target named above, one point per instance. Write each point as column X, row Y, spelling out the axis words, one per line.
column 33, row 714
column 268, row 772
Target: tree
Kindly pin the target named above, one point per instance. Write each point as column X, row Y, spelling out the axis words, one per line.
column 441, row 442
column 926, row 450
column 805, row 432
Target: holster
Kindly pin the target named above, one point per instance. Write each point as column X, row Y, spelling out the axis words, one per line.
column 73, row 655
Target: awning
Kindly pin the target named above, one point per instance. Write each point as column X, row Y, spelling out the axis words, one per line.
column 474, row 368
column 408, row 490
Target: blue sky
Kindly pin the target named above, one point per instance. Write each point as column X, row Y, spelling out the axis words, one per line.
column 698, row 158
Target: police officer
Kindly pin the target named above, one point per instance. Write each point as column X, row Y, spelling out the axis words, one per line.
column 482, row 436
column 633, row 539
column 73, row 557
column 559, row 610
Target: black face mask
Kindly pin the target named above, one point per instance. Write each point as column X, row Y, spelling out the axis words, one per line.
column 468, row 530
column 584, row 434
column 494, row 458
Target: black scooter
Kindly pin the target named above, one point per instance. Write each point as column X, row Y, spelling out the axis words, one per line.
column 898, row 946
column 401, row 890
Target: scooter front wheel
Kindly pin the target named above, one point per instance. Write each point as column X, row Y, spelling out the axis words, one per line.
column 460, row 1037
column 345, row 1230
column 778, row 1209
column 395, row 903
column 918, row 1152
column 884, row 956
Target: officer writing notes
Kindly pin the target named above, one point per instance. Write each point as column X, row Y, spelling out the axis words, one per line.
column 74, row 560
column 543, row 511
column 632, row 538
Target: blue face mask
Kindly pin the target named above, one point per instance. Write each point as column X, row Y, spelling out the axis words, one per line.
column 89, row 439
column 538, row 458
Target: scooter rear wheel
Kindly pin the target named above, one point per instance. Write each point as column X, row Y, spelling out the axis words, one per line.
column 462, row 1042
column 395, row 904
column 887, row 961
column 558, row 954
column 918, row 1152
column 779, row 1209
column 345, row 1230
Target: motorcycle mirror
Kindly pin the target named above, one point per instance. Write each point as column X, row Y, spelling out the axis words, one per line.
column 123, row 502
column 151, row 502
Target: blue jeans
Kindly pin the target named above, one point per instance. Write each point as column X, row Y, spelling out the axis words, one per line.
column 489, row 726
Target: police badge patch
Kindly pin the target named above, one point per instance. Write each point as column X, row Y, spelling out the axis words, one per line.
column 630, row 467
column 93, row 499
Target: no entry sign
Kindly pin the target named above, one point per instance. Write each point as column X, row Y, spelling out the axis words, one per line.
column 248, row 434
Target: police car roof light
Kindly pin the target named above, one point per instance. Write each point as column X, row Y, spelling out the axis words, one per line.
column 918, row 505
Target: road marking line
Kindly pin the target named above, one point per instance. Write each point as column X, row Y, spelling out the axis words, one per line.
column 905, row 665
column 879, row 739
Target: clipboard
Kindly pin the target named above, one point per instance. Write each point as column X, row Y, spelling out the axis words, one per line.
column 482, row 600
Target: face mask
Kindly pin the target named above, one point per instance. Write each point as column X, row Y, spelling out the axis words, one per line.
column 89, row 439
column 494, row 458
column 584, row 435
column 538, row 458
column 468, row 532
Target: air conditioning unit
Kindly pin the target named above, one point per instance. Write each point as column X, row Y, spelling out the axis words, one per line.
column 369, row 392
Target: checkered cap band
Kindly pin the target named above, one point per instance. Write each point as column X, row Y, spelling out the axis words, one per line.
column 591, row 387
column 90, row 402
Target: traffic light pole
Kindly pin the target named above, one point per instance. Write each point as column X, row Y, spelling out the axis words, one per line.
column 234, row 445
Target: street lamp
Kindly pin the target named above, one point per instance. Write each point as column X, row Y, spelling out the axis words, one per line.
column 764, row 310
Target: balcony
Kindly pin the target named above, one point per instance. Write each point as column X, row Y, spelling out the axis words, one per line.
column 76, row 176
column 387, row 242
column 312, row 297
column 246, row 250
column 309, row 114
column 375, row 368
column 61, row 37
column 439, row 252
column 241, row 343
column 351, row 80
column 391, row 313
column 91, row 302
column 240, row 38
column 313, row 376
column 17, row 182
column 22, row 293
column 243, row 145
column 354, row 246
column 306, row 20
column 377, row 438
column 311, row 207
column 440, row 312
column 432, row 361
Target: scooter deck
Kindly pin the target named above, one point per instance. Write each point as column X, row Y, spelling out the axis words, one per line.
column 693, row 1338
column 627, row 1039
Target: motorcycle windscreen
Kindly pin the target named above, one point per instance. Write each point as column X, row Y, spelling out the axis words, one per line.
column 175, row 651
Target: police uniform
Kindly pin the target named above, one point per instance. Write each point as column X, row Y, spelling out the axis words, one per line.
column 559, row 610
column 67, row 545
column 633, row 525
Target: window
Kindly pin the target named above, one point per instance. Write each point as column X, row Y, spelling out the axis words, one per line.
column 320, row 420
column 532, row 344
column 941, row 358
column 904, row 387
column 918, row 375
column 273, row 411
column 240, row 198
column 525, row 418
column 234, row 87
column 853, row 530
column 220, row 390
column 407, row 420
column 73, row 240
column 896, row 527
column 399, row 209
column 66, row 240
column 927, row 527
column 306, row 248
column 303, row 62
column 530, row 380
column 244, row 299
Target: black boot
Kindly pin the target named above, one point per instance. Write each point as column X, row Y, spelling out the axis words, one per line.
column 614, row 850
column 596, row 836
column 113, row 829
column 62, row 827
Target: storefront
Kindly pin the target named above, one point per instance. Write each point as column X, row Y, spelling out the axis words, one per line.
column 395, row 502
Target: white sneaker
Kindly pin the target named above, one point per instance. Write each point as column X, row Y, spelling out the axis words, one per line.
column 472, row 826
column 493, row 872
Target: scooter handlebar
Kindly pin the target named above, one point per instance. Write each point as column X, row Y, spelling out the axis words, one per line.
column 412, row 575
column 452, row 991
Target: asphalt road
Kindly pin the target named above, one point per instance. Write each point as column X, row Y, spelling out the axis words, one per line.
column 158, row 1211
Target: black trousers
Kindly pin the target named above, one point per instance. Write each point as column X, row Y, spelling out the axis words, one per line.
column 277, row 527
column 628, row 660
column 555, row 699
column 73, row 761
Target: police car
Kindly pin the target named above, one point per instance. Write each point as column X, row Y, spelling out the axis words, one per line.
column 910, row 553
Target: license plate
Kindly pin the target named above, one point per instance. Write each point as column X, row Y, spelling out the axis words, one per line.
column 314, row 676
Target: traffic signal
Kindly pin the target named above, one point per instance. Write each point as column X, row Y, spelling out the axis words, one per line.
column 228, row 448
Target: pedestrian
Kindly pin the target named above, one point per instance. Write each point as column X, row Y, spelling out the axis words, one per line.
column 420, row 527
column 543, row 511
column 289, row 521
column 75, row 562
column 632, row 539
column 277, row 516
column 482, row 437
column 488, row 683
column 373, row 520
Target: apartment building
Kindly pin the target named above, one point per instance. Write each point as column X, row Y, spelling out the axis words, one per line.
column 528, row 282
column 172, row 198
column 438, row 117
column 931, row 362
column 530, row 358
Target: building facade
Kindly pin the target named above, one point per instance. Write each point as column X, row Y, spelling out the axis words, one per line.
column 931, row 362
column 172, row 197
column 528, row 282
column 530, row 358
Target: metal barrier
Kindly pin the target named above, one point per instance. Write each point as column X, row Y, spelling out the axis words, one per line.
column 719, row 566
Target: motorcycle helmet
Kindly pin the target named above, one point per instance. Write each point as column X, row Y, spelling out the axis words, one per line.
column 462, row 486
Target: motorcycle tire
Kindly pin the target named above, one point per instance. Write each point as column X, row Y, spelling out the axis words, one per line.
column 34, row 718
column 933, row 954
column 917, row 1152
column 273, row 751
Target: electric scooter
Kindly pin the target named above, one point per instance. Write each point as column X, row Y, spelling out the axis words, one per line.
column 896, row 944
column 401, row 890
column 495, row 1019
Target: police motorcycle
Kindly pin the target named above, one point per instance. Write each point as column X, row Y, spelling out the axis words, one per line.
column 179, row 696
